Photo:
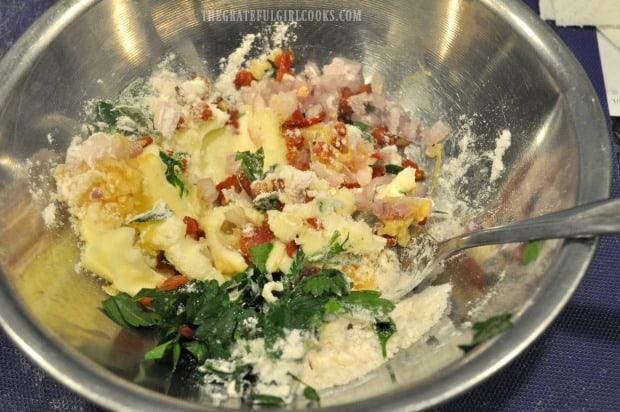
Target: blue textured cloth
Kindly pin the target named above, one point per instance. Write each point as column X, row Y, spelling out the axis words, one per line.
column 573, row 366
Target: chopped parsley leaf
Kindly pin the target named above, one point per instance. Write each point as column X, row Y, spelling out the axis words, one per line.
column 174, row 167
column 531, row 251
column 252, row 163
column 393, row 169
column 215, row 317
column 488, row 329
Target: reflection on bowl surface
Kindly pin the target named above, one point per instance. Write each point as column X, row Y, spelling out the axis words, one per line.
column 483, row 67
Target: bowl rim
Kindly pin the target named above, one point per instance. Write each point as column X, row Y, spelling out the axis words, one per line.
column 108, row 390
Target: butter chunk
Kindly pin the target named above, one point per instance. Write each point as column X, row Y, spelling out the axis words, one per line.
column 113, row 256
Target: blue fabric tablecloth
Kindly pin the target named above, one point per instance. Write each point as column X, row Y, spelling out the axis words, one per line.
column 573, row 366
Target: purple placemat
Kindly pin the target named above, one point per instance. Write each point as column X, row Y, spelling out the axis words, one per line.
column 573, row 366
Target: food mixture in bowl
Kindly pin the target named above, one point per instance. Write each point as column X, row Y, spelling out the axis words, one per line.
column 266, row 224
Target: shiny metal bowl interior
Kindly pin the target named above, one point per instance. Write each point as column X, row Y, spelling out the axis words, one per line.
column 490, row 60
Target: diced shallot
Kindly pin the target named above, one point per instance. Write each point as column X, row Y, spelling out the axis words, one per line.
column 166, row 116
column 437, row 133
column 208, row 189
column 100, row 146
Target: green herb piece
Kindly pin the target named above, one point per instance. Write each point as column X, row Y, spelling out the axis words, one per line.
column 128, row 313
column 366, row 304
column 487, row 329
column 161, row 211
column 369, row 301
column 252, row 163
column 159, row 351
column 260, row 254
column 122, row 119
column 327, row 282
column 174, row 167
column 199, row 350
column 393, row 169
column 221, row 316
column 362, row 126
column 266, row 400
column 267, row 201
column 531, row 251
column 384, row 331
column 296, row 270
column 333, row 248
column 309, row 392
column 365, row 129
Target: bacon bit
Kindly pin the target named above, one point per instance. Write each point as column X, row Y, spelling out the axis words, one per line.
column 145, row 141
column 233, row 119
column 423, row 221
column 260, row 235
column 291, row 248
column 323, row 151
column 173, row 282
column 315, row 222
column 243, row 79
column 284, row 62
column 192, row 229
column 419, row 173
column 146, row 301
column 231, row 182
column 186, row 331
column 297, row 120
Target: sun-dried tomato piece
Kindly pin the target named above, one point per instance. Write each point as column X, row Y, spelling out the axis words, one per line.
column 145, row 141
column 419, row 173
column 243, row 79
column 261, row 234
column 297, row 120
column 173, row 282
column 186, row 331
column 192, row 229
column 284, row 62
column 291, row 248
column 231, row 182
column 315, row 222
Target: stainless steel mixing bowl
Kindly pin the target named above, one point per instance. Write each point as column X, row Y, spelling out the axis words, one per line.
column 492, row 61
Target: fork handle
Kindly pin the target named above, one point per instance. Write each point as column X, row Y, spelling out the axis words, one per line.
column 597, row 218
